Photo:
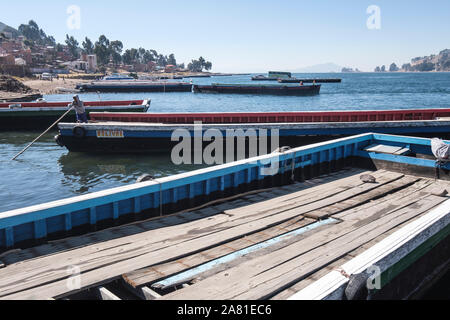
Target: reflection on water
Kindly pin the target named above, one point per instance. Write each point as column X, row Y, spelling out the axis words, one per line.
column 90, row 171
column 47, row 172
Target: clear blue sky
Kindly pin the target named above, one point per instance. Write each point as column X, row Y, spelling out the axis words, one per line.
column 253, row 35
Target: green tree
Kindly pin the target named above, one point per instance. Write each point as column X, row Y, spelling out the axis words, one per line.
column 115, row 49
column 199, row 65
column 88, row 46
column 393, row 68
column 72, row 43
column 172, row 60
column 101, row 49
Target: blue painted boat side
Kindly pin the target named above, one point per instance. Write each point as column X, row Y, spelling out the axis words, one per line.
column 299, row 130
column 37, row 222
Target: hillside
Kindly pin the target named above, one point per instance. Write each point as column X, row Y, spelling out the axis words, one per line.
column 436, row 62
column 439, row 62
column 6, row 28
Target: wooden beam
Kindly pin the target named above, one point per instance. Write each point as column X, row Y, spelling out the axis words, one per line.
column 149, row 294
column 105, row 294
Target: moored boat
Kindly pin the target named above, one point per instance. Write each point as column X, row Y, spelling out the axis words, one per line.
column 137, row 137
column 40, row 115
column 258, row 89
column 316, row 222
column 263, row 78
column 135, row 86
column 295, row 80
column 276, row 117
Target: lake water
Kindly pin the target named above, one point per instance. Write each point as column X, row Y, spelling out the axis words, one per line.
column 47, row 172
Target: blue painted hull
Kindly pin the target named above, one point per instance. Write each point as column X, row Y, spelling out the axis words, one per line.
column 150, row 138
column 24, row 227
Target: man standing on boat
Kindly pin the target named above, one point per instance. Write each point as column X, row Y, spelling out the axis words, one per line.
column 79, row 109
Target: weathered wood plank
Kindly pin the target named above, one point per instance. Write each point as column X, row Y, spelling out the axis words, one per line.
column 380, row 191
column 168, row 234
column 154, row 273
column 89, row 262
column 259, row 278
column 105, row 294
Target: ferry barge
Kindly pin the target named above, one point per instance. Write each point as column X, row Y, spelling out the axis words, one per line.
column 305, row 223
column 295, row 80
column 40, row 115
column 259, row 89
column 152, row 132
column 135, row 86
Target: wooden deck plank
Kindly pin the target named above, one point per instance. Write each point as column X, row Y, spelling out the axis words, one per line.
column 91, row 261
column 121, row 238
column 380, row 191
column 109, row 254
column 157, row 272
column 258, row 279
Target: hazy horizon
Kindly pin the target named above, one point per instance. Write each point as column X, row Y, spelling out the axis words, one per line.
column 254, row 36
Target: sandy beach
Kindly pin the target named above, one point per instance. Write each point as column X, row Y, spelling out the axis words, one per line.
column 52, row 87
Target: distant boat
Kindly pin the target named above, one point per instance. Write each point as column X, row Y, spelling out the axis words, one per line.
column 295, row 80
column 40, row 115
column 258, row 89
column 273, row 76
column 116, row 76
column 280, row 74
column 135, row 86
column 261, row 77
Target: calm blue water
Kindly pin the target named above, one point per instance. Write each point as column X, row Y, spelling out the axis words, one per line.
column 47, row 172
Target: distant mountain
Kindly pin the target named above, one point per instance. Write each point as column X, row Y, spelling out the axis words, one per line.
column 6, row 28
column 319, row 68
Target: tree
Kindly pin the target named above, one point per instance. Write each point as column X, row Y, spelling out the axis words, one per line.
column 393, row 67
column 148, row 56
column 115, row 49
column 101, row 49
column 88, row 46
column 383, row 68
column 406, row 67
column 72, row 43
column 33, row 33
column 377, row 69
column 208, row 65
column 199, row 65
column 171, row 60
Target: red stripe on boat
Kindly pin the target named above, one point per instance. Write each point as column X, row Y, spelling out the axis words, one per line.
column 274, row 117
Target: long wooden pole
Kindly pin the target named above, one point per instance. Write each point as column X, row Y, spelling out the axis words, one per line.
column 26, row 148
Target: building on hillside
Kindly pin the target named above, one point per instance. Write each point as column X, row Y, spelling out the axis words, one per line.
column 79, row 65
column 91, row 60
column 170, row 68
column 7, row 59
column 20, row 62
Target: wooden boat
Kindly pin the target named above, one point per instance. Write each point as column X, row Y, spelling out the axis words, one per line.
column 263, row 78
column 40, row 115
column 135, row 86
column 304, row 229
column 258, row 89
column 280, row 74
column 137, row 137
column 276, row 117
column 295, row 80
